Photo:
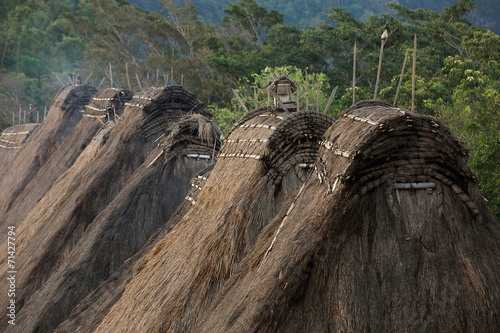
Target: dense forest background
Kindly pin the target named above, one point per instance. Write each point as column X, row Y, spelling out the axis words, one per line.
column 213, row 47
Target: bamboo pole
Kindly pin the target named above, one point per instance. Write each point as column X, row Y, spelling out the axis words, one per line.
column 128, row 78
column 182, row 79
column 255, row 97
column 240, row 100
column 317, row 97
column 157, row 82
column 19, row 114
column 413, row 74
column 299, row 93
column 383, row 39
column 24, row 121
column 59, row 79
column 330, row 100
column 45, row 112
column 307, row 92
column 354, row 75
column 111, row 75
column 138, row 81
column 401, row 78
column 88, row 77
column 267, row 70
column 37, row 116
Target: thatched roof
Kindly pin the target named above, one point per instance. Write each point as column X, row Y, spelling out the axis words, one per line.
column 95, row 181
column 67, row 153
column 88, row 314
column 12, row 139
column 107, row 104
column 187, row 268
column 62, row 118
column 356, row 252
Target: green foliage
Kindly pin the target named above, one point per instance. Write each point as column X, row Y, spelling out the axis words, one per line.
column 121, row 44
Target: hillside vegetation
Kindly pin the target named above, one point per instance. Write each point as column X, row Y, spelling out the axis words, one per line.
column 45, row 44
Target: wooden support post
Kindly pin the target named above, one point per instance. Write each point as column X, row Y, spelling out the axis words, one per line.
column 354, row 75
column 413, row 74
column 20, row 108
column 400, row 78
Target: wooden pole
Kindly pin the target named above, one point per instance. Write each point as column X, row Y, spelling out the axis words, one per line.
column 267, row 70
column 157, row 82
column 240, row 100
column 330, row 100
column 400, row 78
column 128, row 78
column 111, row 75
column 37, row 116
column 382, row 43
column 255, row 97
column 307, row 92
column 24, row 121
column 45, row 112
column 413, row 74
column 138, row 81
column 182, row 79
column 354, row 75
column 317, row 97
column 19, row 115
column 298, row 98
column 172, row 73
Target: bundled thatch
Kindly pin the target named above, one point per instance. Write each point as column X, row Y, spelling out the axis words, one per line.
column 12, row 139
column 186, row 269
column 62, row 118
column 80, row 196
column 146, row 201
column 68, row 152
column 89, row 313
column 390, row 235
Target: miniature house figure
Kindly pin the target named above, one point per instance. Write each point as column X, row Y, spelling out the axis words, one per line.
column 282, row 89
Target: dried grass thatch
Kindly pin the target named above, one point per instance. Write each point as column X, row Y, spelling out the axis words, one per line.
column 12, row 139
column 356, row 252
column 89, row 313
column 79, row 197
column 62, row 118
column 176, row 282
column 67, row 153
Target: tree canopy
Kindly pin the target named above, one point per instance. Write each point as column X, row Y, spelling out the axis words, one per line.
column 45, row 44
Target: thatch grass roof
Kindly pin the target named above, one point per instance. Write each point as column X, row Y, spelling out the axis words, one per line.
column 88, row 314
column 145, row 203
column 61, row 218
column 12, row 139
column 355, row 252
column 187, row 268
column 62, row 118
column 67, row 153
